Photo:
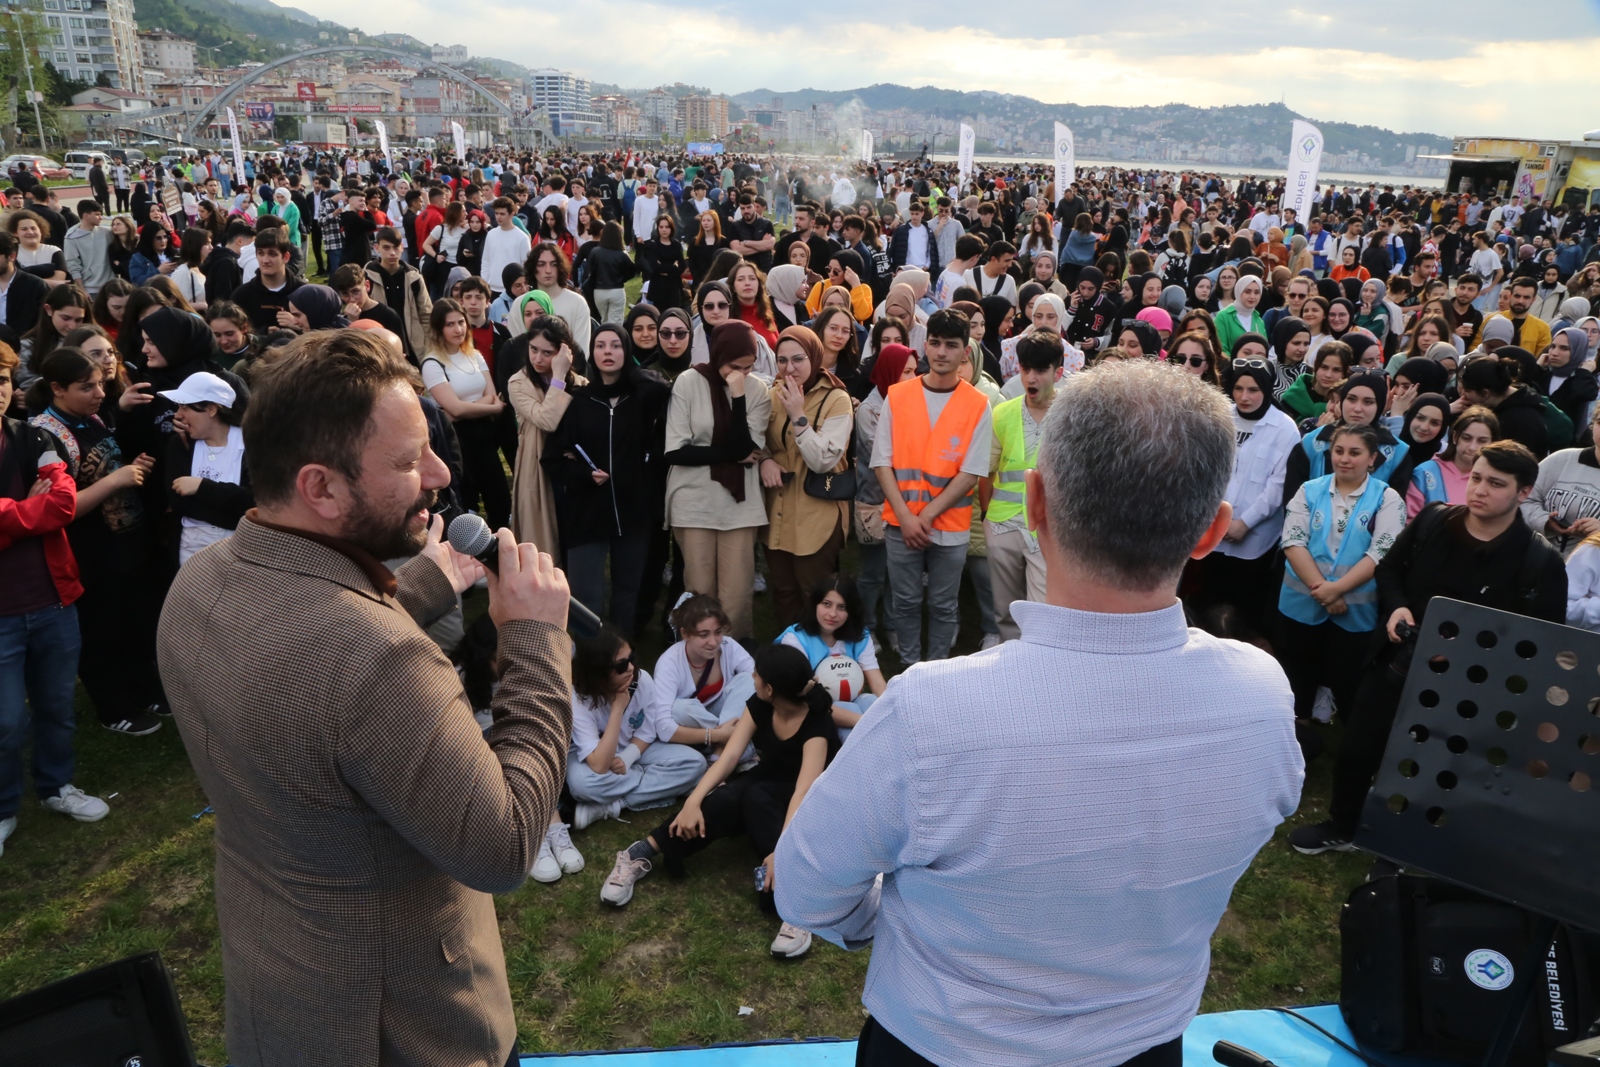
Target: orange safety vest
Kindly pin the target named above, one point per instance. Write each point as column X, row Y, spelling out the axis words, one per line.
column 927, row 458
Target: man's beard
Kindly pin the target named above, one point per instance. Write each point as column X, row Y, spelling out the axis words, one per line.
column 383, row 535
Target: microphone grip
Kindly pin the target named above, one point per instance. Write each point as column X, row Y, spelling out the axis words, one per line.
column 1230, row 1055
column 580, row 620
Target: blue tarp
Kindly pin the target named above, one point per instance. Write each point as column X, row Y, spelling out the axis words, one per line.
column 1277, row 1036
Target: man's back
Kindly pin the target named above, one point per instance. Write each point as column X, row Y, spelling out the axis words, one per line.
column 361, row 820
column 1063, row 819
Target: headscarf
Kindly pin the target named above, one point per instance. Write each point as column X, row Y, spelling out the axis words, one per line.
column 1283, row 332
column 1156, row 316
column 1440, row 351
column 784, row 283
column 642, row 357
column 918, row 280
column 1424, row 451
column 1137, row 283
column 1174, row 301
column 1265, row 380
column 668, row 364
column 888, row 366
column 1373, row 380
column 1428, row 376
column 1244, row 339
column 457, row 274
column 1028, row 291
column 1359, row 341
column 1061, row 309
column 184, row 341
column 320, row 305
column 1578, row 342
column 807, row 339
column 519, row 308
column 822, row 302
column 1573, row 308
column 1349, row 305
column 1092, row 274
column 1329, row 290
column 1382, row 288
column 1149, row 340
column 1045, row 253
column 1297, row 244
column 901, row 303
column 733, row 340
column 995, row 309
column 624, row 382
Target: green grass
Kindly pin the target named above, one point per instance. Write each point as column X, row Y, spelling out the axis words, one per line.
column 672, row 968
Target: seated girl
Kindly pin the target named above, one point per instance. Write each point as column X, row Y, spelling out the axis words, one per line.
column 616, row 759
column 789, row 719
column 703, row 681
column 832, row 630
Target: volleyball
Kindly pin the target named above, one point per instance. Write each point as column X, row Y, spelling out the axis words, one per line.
column 842, row 677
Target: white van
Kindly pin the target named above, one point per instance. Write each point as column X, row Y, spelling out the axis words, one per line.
column 80, row 162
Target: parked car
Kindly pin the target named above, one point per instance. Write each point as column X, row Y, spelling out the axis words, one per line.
column 43, row 167
column 78, row 163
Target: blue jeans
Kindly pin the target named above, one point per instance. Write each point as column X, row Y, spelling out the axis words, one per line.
column 38, row 665
column 663, row 773
column 859, row 705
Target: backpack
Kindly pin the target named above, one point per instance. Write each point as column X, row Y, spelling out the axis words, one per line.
column 629, row 188
column 1176, row 272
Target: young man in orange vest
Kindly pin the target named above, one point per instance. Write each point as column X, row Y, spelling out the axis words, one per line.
column 932, row 447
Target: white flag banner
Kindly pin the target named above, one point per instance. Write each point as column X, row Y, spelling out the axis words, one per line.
column 1066, row 156
column 969, row 140
column 866, row 146
column 383, row 143
column 460, row 136
column 238, row 150
column 1305, row 156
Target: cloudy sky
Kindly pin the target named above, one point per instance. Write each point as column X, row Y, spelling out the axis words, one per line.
column 1474, row 68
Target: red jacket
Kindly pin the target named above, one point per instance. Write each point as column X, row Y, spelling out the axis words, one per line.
column 47, row 515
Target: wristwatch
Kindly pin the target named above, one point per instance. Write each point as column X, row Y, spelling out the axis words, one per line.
column 801, row 423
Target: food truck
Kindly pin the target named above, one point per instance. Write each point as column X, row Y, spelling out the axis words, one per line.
column 1561, row 172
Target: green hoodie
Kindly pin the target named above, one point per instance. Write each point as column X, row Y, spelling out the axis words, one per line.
column 1298, row 400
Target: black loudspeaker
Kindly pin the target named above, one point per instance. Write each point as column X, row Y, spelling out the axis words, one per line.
column 1428, row 969
column 125, row 1014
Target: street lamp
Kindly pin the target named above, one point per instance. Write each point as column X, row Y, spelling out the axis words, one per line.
column 213, row 49
column 27, row 65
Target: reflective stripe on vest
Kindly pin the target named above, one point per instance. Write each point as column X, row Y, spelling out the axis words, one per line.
column 1010, row 490
column 938, row 449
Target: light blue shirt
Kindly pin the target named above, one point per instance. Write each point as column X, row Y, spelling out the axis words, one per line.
column 1059, row 823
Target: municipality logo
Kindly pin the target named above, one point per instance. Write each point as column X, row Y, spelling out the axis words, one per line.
column 1488, row 969
column 1064, row 147
column 1308, row 147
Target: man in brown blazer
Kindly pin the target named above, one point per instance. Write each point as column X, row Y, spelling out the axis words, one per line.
column 362, row 818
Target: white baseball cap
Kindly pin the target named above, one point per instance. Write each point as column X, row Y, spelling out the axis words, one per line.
column 202, row 388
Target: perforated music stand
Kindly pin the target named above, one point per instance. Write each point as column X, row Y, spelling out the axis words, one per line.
column 1490, row 773
column 1491, row 777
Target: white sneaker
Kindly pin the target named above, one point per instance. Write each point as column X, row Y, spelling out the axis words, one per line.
column 8, row 826
column 546, row 868
column 78, row 804
column 560, row 843
column 1322, row 710
column 894, row 641
column 989, row 641
column 791, row 942
column 586, row 814
column 618, row 889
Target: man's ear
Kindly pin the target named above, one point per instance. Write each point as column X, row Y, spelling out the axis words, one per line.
column 1214, row 533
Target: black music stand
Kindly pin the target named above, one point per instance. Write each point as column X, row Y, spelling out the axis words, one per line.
column 123, row 1013
column 1491, row 777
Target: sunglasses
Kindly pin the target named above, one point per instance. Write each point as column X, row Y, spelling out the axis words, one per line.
column 714, row 305
column 673, row 335
column 1254, row 364
column 1193, row 361
column 623, row 665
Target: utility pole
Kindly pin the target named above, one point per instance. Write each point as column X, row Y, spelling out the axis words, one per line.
column 27, row 65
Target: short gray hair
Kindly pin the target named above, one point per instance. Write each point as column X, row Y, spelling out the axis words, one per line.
column 1135, row 458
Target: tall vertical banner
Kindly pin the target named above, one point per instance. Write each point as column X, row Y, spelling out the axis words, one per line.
column 969, row 140
column 460, row 136
column 383, row 143
column 238, row 151
column 1305, row 156
column 1066, row 158
column 866, row 146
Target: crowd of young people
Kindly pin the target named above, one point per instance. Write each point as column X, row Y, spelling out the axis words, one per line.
column 1412, row 376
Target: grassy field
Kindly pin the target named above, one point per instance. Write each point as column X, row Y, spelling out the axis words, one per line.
column 674, row 967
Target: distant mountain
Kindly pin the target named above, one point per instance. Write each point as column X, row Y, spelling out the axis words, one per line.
column 1269, row 123
column 276, row 9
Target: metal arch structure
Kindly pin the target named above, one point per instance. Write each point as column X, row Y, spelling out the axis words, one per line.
column 223, row 99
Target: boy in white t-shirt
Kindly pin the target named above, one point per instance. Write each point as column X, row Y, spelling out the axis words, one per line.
column 969, row 249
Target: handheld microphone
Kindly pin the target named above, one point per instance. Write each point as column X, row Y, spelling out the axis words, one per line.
column 1230, row 1055
column 471, row 536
